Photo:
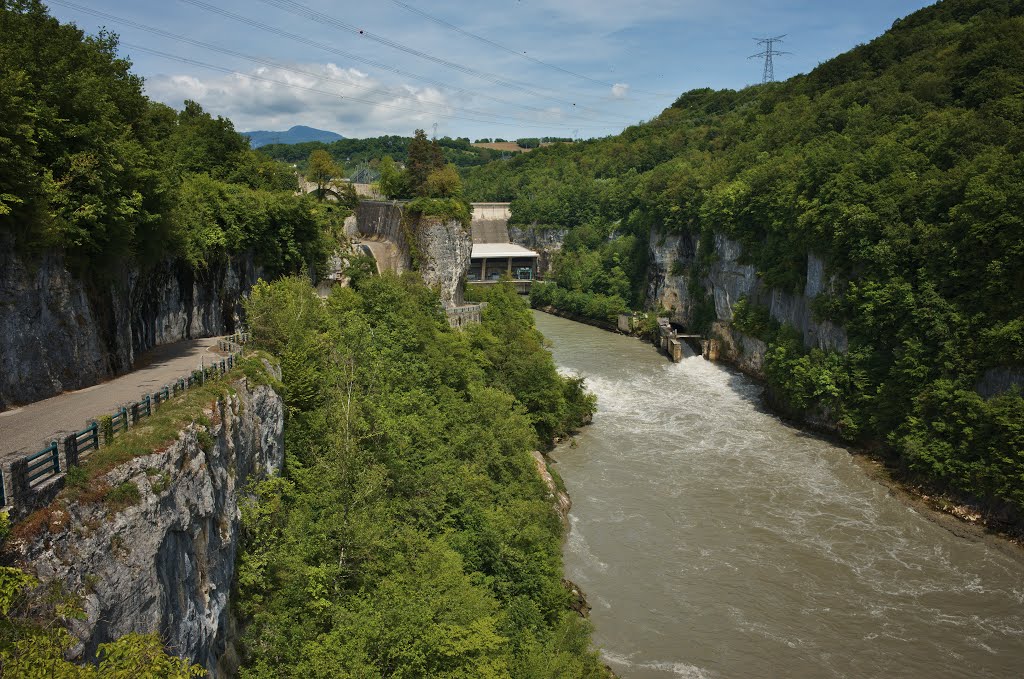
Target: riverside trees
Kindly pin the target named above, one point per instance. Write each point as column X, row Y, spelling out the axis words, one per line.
column 410, row 534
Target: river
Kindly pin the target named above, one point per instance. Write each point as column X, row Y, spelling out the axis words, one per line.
column 714, row 540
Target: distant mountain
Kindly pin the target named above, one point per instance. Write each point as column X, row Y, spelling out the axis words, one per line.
column 296, row 135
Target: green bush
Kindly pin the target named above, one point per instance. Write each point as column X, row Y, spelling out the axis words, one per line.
column 76, row 477
column 123, row 495
column 106, row 427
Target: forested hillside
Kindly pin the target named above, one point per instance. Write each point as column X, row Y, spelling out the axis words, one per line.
column 900, row 163
column 361, row 157
column 410, row 535
column 89, row 165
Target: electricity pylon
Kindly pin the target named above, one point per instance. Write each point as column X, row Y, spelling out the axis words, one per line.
column 768, row 55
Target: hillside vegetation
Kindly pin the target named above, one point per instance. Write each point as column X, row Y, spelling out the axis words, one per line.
column 410, row 535
column 362, row 157
column 89, row 165
column 899, row 162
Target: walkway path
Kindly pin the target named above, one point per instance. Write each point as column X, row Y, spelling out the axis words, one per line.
column 32, row 427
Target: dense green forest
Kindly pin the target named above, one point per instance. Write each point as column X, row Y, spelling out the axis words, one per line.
column 899, row 162
column 410, row 535
column 362, row 156
column 89, row 165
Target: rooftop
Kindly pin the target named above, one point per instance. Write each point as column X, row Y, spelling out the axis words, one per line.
column 488, row 250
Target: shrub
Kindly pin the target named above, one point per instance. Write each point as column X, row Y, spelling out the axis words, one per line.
column 123, row 495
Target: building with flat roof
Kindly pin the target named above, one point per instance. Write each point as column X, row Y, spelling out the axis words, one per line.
column 490, row 261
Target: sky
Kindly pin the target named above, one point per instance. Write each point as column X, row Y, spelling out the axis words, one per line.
column 508, row 68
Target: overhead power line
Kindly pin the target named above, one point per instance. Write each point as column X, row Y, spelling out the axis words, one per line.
column 769, row 55
column 299, row 9
column 518, row 53
column 267, row 62
column 355, row 57
column 260, row 78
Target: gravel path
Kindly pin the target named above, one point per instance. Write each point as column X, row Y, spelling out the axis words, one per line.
column 30, row 428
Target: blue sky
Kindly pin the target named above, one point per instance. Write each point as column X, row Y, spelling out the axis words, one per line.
column 642, row 54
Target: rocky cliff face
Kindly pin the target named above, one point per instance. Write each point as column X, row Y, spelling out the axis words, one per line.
column 58, row 332
column 545, row 242
column 166, row 564
column 440, row 252
column 727, row 281
column 444, row 248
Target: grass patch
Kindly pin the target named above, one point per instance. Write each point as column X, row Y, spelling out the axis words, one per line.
column 124, row 495
column 76, row 477
column 205, row 440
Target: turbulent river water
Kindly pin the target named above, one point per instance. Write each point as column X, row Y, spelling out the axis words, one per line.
column 714, row 540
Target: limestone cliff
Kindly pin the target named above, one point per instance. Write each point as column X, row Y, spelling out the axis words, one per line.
column 438, row 248
column 59, row 332
column 444, row 248
column 726, row 282
column 545, row 242
column 166, row 564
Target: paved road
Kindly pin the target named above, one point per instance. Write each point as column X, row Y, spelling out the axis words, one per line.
column 31, row 427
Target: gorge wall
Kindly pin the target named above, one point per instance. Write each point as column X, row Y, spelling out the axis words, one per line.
column 166, row 564
column 59, row 332
column 438, row 248
column 545, row 242
column 672, row 256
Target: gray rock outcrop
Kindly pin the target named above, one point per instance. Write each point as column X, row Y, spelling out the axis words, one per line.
column 545, row 242
column 439, row 249
column 59, row 332
column 166, row 564
column 726, row 282
column 444, row 248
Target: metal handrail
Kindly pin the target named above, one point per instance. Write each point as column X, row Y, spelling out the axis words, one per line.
column 47, row 461
column 91, row 441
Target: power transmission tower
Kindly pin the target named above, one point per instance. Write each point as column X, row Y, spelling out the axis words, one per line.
column 435, row 131
column 768, row 55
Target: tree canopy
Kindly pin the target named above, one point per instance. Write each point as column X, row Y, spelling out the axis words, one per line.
column 410, row 534
column 90, row 165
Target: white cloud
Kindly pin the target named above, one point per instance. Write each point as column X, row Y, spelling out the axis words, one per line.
column 620, row 90
column 327, row 96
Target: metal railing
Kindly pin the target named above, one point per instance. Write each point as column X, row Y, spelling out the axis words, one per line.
column 38, row 468
column 44, row 464
column 88, row 439
column 119, row 421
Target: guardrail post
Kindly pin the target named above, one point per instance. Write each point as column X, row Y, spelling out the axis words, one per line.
column 135, row 414
column 56, row 454
column 20, row 488
column 149, row 407
column 71, row 450
column 95, row 435
column 3, row 491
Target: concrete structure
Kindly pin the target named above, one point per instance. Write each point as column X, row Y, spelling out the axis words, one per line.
column 491, row 211
column 494, row 255
column 467, row 314
column 490, row 223
column 490, row 261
